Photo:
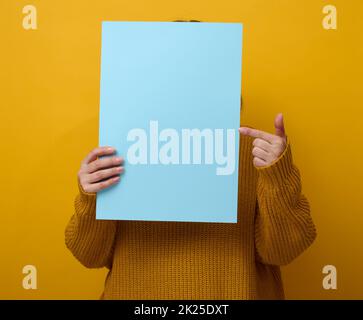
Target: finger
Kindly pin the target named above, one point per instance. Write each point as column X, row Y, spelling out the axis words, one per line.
column 103, row 163
column 257, row 134
column 259, row 162
column 260, row 153
column 263, row 144
column 96, row 152
column 95, row 187
column 104, row 174
column 279, row 126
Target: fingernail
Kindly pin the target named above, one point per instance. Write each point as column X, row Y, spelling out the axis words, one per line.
column 110, row 149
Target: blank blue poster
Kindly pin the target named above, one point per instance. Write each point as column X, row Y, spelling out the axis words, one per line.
column 170, row 105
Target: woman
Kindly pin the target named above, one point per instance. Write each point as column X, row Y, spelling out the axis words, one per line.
column 186, row 260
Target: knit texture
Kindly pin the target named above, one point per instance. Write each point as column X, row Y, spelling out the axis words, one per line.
column 192, row 260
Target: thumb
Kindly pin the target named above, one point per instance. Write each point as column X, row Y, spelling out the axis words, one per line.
column 279, row 126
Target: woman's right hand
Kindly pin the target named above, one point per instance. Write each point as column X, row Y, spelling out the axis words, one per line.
column 96, row 173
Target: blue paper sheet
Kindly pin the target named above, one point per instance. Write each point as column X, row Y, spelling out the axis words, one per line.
column 170, row 105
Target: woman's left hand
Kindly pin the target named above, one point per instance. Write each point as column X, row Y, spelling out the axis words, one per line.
column 267, row 147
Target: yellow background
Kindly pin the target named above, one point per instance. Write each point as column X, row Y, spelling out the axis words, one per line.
column 49, row 122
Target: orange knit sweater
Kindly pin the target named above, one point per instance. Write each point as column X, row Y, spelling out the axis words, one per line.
column 186, row 260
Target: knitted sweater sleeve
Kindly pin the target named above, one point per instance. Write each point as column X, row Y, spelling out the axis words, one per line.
column 90, row 240
column 283, row 225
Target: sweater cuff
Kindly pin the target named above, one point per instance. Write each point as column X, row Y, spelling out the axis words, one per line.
column 278, row 171
column 87, row 200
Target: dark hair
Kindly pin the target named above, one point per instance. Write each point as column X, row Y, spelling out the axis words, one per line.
column 187, row 21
